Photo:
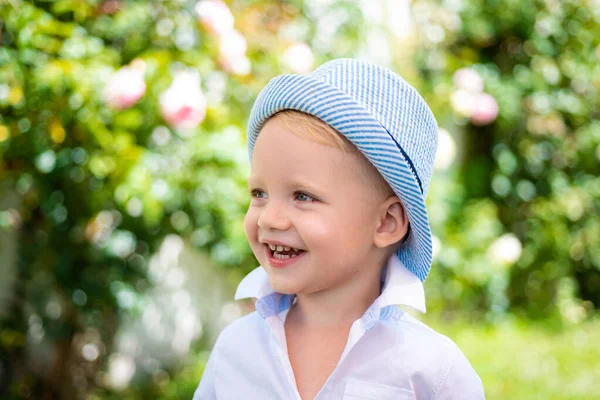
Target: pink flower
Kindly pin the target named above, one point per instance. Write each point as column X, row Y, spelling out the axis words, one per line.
column 468, row 79
column 485, row 110
column 215, row 16
column 126, row 86
column 298, row 58
column 183, row 106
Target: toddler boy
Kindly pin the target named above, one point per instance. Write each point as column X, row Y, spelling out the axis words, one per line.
column 340, row 166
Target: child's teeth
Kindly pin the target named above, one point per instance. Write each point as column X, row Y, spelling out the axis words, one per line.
column 275, row 248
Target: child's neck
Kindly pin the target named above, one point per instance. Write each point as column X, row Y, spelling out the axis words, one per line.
column 339, row 306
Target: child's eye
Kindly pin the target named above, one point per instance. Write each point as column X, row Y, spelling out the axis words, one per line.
column 258, row 194
column 301, row 196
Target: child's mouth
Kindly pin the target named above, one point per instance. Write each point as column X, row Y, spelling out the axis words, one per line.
column 284, row 252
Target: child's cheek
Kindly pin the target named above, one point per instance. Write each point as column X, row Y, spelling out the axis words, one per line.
column 251, row 226
column 316, row 231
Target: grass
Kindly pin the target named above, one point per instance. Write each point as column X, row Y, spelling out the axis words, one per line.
column 518, row 360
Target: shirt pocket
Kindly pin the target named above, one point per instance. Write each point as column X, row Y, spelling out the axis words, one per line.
column 356, row 389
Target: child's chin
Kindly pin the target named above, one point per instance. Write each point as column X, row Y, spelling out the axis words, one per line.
column 280, row 286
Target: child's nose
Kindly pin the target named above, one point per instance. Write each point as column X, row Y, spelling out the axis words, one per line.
column 273, row 216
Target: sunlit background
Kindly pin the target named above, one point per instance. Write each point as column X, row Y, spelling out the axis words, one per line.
column 123, row 167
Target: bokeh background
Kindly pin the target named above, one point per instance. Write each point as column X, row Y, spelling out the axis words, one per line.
column 123, row 167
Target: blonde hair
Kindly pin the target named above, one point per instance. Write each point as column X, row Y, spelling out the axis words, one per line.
column 312, row 128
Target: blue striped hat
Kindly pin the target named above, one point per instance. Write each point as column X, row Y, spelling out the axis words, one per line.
column 384, row 117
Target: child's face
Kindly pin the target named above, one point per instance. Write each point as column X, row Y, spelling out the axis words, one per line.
column 309, row 196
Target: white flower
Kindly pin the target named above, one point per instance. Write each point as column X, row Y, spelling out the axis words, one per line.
column 126, row 86
column 298, row 58
column 232, row 53
column 463, row 102
column 183, row 106
column 446, row 151
column 215, row 16
column 468, row 79
column 436, row 246
column 237, row 66
column 121, row 369
column 507, row 249
column 232, row 45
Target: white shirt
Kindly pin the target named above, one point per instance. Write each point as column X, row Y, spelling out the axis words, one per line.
column 388, row 355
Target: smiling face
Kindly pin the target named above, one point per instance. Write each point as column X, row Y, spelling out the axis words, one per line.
column 313, row 198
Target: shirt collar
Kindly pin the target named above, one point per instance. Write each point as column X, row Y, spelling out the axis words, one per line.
column 400, row 286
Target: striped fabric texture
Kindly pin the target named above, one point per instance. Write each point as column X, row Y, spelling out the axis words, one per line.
column 384, row 117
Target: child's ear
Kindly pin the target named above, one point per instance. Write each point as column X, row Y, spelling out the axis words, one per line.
column 392, row 223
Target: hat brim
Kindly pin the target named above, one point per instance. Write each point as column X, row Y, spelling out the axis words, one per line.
column 357, row 124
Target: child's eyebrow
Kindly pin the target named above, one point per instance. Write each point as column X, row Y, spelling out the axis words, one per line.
column 303, row 185
column 293, row 183
column 254, row 180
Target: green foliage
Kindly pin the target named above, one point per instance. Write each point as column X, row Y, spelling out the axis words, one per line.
column 94, row 174
column 529, row 174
